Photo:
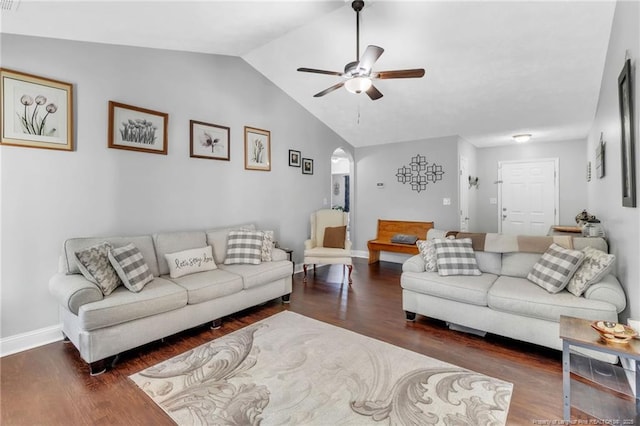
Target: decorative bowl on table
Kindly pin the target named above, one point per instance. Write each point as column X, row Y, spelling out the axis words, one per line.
column 613, row 332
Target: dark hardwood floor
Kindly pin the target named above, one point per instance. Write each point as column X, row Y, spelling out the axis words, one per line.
column 50, row 385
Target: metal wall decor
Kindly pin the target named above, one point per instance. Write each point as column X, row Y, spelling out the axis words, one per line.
column 419, row 173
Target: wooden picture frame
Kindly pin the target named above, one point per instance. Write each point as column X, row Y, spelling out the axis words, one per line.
column 37, row 112
column 627, row 148
column 257, row 149
column 307, row 166
column 137, row 129
column 294, row 158
column 210, row 141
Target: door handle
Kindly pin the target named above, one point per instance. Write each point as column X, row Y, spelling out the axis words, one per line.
column 504, row 217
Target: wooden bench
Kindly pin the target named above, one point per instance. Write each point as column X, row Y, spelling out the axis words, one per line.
column 387, row 229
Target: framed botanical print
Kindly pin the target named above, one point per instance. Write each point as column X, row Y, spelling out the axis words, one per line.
column 209, row 141
column 257, row 149
column 307, row 166
column 294, row 158
column 137, row 129
column 37, row 112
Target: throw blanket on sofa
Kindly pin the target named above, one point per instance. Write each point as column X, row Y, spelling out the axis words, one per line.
column 502, row 243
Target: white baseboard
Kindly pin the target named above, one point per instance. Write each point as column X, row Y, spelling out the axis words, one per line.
column 32, row 339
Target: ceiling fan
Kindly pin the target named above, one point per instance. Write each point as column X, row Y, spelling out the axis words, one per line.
column 358, row 74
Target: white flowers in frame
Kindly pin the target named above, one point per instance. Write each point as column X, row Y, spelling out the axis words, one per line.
column 209, row 141
column 257, row 149
column 137, row 129
column 37, row 112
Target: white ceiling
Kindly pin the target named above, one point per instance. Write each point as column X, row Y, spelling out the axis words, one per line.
column 493, row 69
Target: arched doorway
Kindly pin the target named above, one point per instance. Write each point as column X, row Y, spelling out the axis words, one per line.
column 342, row 182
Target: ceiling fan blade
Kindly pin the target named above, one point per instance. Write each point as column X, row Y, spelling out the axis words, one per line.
column 369, row 57
column 319, row 71
column 329, row 90
column 374, row 93
column 414, row 73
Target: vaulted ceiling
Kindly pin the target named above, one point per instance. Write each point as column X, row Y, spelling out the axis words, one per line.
column 493, row 69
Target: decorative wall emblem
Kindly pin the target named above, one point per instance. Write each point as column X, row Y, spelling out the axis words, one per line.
column 419, row 173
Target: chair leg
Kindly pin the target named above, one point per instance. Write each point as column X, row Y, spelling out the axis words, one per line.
column 304, row 267
column 350, row 267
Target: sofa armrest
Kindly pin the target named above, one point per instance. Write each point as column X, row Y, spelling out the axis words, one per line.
column 608, row 290
column 73, row 291
column 278, row 254
column 413, row 264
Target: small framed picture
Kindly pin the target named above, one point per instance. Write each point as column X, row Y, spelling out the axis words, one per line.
column 294, row 158
column 209, row 141
column 257, row 149
column 37, row 112
column 137, row 129
column 307, row 166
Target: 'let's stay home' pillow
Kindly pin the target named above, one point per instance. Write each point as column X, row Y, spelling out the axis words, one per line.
column 190, row 261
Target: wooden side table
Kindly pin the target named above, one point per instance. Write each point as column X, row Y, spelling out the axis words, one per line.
column 578, row 332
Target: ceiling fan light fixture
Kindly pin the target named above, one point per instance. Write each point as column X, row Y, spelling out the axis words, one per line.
column 522, row 138
column 358, row 84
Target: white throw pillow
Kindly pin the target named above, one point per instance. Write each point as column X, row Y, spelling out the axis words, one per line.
column 428, row 254
column 596, row 265
column 267, row 246
column 190, row 261
column 456, row 257
column 555, row 268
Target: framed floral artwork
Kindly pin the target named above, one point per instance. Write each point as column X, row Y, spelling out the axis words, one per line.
column 137, row 129
column 37, row 112
column 307, row 166
column 294, row 158
column 209, row 141
column 257, row 149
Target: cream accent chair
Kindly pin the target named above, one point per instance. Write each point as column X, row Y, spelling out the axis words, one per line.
column 315, row 253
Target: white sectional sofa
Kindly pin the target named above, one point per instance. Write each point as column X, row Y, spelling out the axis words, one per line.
column 103, row 326
column 503, row 301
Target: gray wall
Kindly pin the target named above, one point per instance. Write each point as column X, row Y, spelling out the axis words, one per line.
column 465, row 149
column 48, row 196
column 573, row 185
column 396, row 200
column 605, row 195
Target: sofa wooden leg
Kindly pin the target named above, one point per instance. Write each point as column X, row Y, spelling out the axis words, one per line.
column 304, row 268
column 286, row 298
column 216, row 324
column 97, row 367
column 350, row 267
column 410, row 316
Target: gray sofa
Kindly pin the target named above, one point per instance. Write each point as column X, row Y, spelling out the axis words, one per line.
column 503, row 301
column 103, row 326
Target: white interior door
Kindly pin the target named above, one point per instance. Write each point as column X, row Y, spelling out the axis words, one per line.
column 464, row 194
column 528, row 196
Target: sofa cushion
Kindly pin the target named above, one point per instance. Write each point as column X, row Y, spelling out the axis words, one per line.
column 555, row 268
column 208, row 285
column 596, row 265
column 489, row 262
column 519, row 296
column 518, row 264
column 264, row 273
column 456, row 257
column 217, row 238
column 172, row 242
column 130, row 266
column 159, row 296
column 244, row 247
column 144, row 244
column 466, row 289
column 190, row 261
column 94, row 264
column 428, row 254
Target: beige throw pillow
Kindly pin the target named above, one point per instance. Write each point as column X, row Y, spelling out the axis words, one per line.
column 334, row 237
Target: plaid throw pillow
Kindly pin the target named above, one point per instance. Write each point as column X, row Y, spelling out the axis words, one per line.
column 244, row 247
column 131, row 267
column 94, row 264
column 456, row 257
column 555, row 268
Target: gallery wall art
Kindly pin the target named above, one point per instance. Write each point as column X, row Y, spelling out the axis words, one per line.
column 137, row 129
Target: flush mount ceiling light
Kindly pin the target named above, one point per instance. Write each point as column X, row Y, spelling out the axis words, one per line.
column 522, row 138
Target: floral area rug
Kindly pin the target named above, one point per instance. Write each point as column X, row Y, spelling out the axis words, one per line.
column 292, row 370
